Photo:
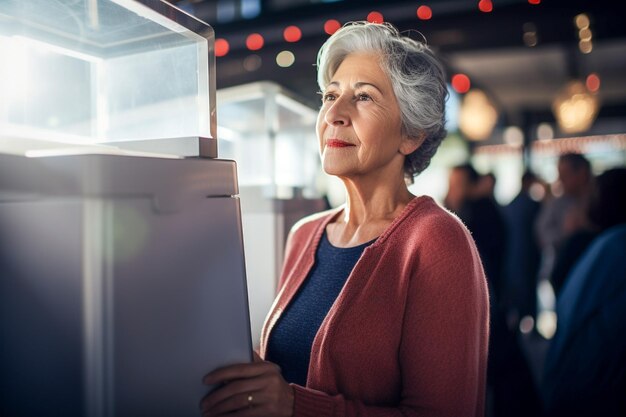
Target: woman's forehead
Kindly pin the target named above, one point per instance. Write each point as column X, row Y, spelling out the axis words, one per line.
column 360, row 68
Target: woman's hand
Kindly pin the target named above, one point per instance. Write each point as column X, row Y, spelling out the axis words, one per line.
column 249, row 390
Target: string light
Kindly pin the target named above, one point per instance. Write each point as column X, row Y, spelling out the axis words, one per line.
column 485, row 6
column 593, row 82
column 580, row 144
column 585, row 46
column 530, row 34
column 545, row 132
column 424, row 12
column 582, row 21
column 331, row 26
column 461, row 83
column 285, row 59
column 513, row 136
column 221, row 47
column 584, row 33
column 292, row 34
column 252, row 63
column 375, row 17
column 254, row 42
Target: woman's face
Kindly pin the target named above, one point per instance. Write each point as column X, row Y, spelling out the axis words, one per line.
column 359, row 124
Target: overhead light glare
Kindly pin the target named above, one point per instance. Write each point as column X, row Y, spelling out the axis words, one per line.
column 478, row 116
column 575, row 108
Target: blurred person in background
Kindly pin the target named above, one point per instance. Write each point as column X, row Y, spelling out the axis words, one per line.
column 382, row 307
column 564, row 214
column 487, row 186
column 522, row 253
column 572, row 248
column 470, row 197
column 585, row 369
column 511, row 388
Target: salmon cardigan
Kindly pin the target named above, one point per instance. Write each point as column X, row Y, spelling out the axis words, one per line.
column 408, row 333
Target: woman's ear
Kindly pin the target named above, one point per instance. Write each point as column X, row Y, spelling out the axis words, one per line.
column 410, row 144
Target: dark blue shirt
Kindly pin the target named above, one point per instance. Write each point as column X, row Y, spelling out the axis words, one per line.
column 290, row 342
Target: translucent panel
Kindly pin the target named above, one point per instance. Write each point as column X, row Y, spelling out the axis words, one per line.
column 101, row 71
column 270, row 134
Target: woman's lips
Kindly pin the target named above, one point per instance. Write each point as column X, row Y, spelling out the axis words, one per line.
column 336, row 143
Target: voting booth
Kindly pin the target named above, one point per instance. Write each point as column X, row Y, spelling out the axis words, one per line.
column 122, row 271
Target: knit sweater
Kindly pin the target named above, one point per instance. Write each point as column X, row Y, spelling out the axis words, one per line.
column 289, row 345
column 408, row 333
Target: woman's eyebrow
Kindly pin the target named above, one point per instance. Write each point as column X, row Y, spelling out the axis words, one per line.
column 358, row 84
column 361, row 84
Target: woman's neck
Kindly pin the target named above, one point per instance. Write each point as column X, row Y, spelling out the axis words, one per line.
column 370, row 208
column 367, row 204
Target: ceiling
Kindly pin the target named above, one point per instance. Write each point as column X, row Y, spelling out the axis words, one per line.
column 489, row 47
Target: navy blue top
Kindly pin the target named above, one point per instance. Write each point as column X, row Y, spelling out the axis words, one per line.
column 289, row 344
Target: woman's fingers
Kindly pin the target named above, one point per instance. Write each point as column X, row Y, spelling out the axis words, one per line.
column 235, row 389
column 253, row 389
column 237, row 402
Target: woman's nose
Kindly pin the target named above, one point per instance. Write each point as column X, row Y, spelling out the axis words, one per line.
column 337, row 113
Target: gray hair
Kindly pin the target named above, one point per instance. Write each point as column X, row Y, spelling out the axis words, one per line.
column 417, row 78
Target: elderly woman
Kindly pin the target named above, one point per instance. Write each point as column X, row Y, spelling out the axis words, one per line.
column 383, row 306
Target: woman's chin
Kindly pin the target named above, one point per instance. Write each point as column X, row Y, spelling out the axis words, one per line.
column 336, row 171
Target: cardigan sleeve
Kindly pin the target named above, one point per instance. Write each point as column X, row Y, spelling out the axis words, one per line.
column 443, row 350
column 446, row 328
column 312, row 403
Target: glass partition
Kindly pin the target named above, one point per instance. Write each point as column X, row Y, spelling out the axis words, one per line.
column 272, row 137
column 104, row 72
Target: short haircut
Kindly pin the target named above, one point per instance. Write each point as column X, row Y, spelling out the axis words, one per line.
column 417, row 77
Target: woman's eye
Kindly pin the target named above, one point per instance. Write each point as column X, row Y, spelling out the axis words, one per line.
column 363, row 97
column 328, row 97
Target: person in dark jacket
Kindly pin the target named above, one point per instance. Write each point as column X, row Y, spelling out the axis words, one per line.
column 522, row 252
column 512, row 392
column 585, row 369
column 482, row 216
